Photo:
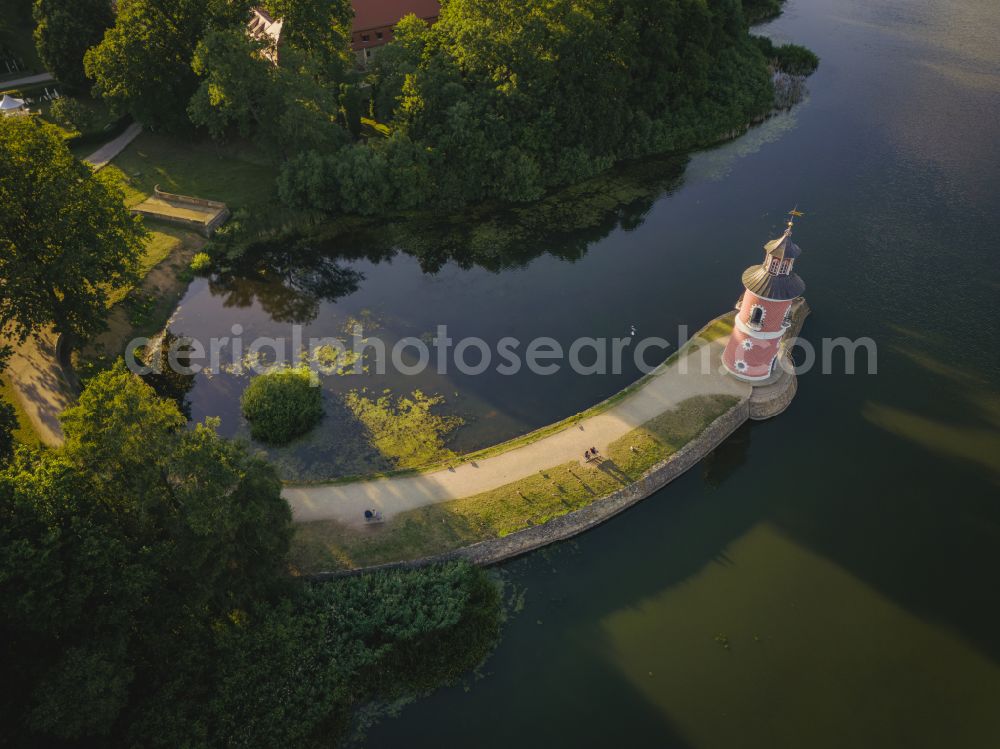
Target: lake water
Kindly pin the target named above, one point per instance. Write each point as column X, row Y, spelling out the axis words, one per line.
column 827, row 578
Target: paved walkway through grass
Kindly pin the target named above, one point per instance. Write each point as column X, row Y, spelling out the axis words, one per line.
column 684, row 378
column 103, row 155
column 29, row 80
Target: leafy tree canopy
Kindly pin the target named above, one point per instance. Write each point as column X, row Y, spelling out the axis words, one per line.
column 509, row 98
column 394, row 62
column 144, row 61
column 8, row 423
column 120, row 552
column 64, row 31
column 320, row 30
column 66, row 237
column 284, row 108
column 144, row 599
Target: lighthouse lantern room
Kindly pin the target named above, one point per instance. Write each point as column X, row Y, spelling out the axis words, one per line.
column 764, row 313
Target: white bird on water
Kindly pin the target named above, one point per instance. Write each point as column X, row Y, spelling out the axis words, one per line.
column 632, row 327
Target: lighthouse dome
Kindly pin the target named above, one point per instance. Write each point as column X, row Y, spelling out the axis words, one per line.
column 771, row 286
column 783, row 246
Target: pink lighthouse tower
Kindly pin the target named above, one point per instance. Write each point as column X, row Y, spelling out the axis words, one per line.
column 764, row 313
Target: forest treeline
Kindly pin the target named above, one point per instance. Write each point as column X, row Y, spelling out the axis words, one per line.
column 500, row 99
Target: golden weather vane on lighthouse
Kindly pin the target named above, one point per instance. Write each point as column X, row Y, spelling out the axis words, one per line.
column 794, row 214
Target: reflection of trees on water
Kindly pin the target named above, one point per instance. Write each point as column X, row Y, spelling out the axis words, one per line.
column 165, row 379
column 290, row 275
column 565, row 224
column 288, row 278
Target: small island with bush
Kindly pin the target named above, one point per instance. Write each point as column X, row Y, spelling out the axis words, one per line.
column 282, row 404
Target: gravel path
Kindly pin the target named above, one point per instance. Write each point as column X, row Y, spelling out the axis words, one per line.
column 30, row 80
column 675, row 383
column 103, row 155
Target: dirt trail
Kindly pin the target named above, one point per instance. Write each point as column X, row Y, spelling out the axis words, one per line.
column 41, row 386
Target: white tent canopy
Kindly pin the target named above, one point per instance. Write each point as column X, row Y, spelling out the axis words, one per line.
column 10, row 104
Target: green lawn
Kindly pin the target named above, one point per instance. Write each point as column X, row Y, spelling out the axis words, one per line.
column 236, row 175
column 162, row 241
column 328, row 545
column 233, row 174
column 98, row 121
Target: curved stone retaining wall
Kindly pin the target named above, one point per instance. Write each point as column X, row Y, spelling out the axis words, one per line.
column 566, row 526
column 773, row 399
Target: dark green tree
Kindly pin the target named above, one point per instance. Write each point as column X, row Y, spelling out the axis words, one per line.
column 8, row 423
column 758, row 11
column 120, row 556
column 143, row 64
column 144, row 600
column 170, row 381
column 285, row 108
column 282, row 404
column 66, row 237
column 508, row 99
column 381, row 637
column 394, row 62
column 64, row 31
column 321, row 31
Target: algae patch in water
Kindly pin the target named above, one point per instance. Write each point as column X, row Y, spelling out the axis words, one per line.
column 404, row 429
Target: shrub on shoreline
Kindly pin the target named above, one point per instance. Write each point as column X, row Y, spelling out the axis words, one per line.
column 201, row 263
column 793, row 59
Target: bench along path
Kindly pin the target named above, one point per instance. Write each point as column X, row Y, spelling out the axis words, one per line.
column 684, row 378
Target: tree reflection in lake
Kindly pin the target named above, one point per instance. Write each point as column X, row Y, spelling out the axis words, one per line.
column 165, row 379
column 290, row 274
column 564, row 224
column 287, row 276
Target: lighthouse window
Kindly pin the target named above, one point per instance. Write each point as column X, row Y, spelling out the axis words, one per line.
column 741, row 365
column 757, row 315
column 774, row 265
column 785, row 265
column 748, row 344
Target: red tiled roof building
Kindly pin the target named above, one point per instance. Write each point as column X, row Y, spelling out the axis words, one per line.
column 374, row 21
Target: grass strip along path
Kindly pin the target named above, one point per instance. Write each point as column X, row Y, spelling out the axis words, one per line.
column 528, row 484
